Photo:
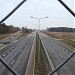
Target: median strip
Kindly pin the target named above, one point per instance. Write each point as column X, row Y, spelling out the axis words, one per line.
column 49, row 59
column 41, row 67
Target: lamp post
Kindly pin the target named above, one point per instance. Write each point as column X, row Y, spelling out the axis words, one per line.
column 39, row 19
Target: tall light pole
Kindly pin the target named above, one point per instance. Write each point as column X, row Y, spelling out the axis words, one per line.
column 39, row 19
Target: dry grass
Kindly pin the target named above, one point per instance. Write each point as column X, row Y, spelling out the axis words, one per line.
column 2, row 36
column 22, row 34
column 62, row 35
column 66, row 37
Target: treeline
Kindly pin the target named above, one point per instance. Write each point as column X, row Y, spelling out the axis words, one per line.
column 60, row 29
column 4, row 29
column 26, row 30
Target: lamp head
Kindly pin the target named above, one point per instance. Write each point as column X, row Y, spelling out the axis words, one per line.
column 31, row 17
column 46, row 17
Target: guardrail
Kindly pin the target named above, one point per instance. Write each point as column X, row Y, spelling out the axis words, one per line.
column 48, row 58
column 54, row 70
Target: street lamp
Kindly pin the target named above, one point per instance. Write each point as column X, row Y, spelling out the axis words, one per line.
column 39, row 20
column 39, row 38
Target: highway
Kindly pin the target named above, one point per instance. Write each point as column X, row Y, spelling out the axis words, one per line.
column 58, row 53
column 17, row 55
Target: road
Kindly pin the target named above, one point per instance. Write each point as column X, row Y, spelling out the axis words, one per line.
column 58, row 53
column 17, row 55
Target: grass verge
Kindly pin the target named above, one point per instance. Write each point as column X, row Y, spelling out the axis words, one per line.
column 65, row 37
column 2, row 36
column 21, row 35
column 41, row 68
column 69, row 42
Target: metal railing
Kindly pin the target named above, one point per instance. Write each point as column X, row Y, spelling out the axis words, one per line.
column 62, row 64
column 7, row 16
column 66, row 6
column 8, row 67
column 12, row 11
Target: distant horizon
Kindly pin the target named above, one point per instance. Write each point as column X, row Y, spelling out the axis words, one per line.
column 58, row 16
column 38, row 29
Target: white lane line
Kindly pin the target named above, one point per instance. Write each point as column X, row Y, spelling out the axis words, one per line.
column 4, row 55
column 11, row 49
column 70, row 53
column 8, row 52
column 20, row 50
column 12, row 62
column 60, row 55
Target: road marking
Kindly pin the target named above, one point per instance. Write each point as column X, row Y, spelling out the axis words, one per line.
column 4, row 55
column 60, row 55
column 8, row 52
column 12, row 62
column 11, row 49
column 20, row 50
column 70, row 53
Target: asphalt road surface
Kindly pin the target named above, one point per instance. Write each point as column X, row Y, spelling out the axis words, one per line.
column 17, row 55
column 58, row 53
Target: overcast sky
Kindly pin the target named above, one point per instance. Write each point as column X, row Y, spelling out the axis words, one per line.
column 57, row 14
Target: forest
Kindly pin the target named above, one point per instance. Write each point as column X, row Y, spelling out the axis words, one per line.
column 60, row 29
column 4, row 29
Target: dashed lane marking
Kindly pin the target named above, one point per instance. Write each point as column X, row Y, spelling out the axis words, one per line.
column 11, row 49
column 4, row 55
column 20, row 50
column 8, row 52
column 12, row 62
column 60, row 55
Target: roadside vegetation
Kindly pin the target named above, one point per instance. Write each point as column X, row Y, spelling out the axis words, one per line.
column 2, row 36
column 21, row 35
column 65, row 37
column 6, row 31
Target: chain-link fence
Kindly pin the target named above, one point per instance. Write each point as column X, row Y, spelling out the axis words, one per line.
column 7, row 16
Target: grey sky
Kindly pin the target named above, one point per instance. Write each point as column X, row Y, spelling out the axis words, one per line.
column 58, row 15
